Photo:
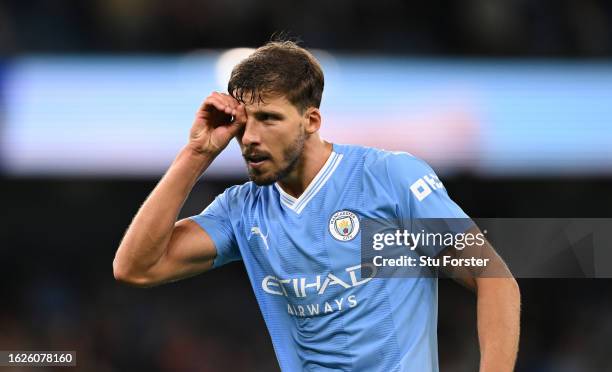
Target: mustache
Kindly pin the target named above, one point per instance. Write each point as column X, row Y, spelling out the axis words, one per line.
column 248, row 154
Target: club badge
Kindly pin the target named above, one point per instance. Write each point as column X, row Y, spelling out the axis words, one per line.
column 344, row 225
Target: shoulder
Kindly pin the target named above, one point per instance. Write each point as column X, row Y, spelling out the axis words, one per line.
column 235, row 197
column 374, row 157
column 395, row 165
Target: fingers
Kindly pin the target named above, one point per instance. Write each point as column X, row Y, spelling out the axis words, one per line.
column 221, row 102
column 229, row 102
column 210, row 104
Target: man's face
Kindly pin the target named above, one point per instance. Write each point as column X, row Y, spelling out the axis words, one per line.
column 272, row 141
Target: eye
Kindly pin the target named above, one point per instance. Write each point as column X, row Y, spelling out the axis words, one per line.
column 268, row 118
column 262, row 117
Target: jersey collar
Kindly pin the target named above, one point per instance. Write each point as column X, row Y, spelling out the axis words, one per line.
column 298, row 204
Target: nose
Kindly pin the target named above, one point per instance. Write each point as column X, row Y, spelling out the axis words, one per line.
column 250, row 136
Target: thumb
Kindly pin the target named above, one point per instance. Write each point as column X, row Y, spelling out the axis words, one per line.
column 240, row 119
column 241, row 115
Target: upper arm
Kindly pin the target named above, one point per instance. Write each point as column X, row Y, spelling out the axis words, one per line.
column 190, row 251
column 198, row 243
column 425, row 205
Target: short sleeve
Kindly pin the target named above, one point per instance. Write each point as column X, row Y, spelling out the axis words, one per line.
column 423, row 202
column 215, row 220
column 418, row 189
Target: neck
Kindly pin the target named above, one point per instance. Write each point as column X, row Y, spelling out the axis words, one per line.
column 315, row 154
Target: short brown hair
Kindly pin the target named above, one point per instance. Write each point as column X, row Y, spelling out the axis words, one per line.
column 279, row 67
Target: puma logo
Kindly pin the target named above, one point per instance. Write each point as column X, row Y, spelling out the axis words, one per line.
column 256, row 231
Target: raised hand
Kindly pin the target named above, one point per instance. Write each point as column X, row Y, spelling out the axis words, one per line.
column 218, row 120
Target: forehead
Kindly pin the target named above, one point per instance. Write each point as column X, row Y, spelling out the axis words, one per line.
column 269, row 102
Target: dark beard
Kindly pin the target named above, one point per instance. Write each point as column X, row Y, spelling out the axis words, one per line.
column 291, row 156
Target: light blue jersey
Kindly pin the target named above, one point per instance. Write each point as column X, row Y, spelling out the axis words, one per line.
column 303, row 260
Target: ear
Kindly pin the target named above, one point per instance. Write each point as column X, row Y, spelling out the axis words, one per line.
column 313, row 120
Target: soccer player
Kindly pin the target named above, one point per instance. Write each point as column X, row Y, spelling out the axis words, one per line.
column 295, row 226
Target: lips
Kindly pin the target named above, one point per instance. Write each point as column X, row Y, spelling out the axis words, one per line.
column 256, row 160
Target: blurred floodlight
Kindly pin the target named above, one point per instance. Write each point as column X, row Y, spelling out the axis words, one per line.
column 226, row 62
column 130, row 115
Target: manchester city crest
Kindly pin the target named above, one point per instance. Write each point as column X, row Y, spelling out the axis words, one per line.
column 344, row 225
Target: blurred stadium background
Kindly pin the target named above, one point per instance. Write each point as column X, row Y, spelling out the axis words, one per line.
column 510, row 101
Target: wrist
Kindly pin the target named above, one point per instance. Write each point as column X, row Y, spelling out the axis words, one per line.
column 199, row 151
column 197, row 159
column 199, row 154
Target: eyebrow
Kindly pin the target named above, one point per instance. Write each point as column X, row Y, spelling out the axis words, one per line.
column 272, row 114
